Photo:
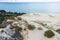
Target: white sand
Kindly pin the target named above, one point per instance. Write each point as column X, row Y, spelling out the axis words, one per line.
column 50, row 19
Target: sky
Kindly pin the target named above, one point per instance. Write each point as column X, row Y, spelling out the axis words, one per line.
column 29, row 0
column 31, row 7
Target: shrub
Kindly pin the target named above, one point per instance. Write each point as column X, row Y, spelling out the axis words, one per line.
column 19, row 29
column 58, row 30
column 49, row 34
column 39, row 28
column 19, row 18
column 21, row 14
column 30, row 27
column 2, row 26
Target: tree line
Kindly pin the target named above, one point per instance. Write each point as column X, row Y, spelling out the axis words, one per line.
column 8, row 15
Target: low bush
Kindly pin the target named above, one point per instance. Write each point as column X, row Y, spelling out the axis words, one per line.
column 30, row 27
column 49, row 34
column 58, row 30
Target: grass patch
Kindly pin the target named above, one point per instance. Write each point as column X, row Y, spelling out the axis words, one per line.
column 30, row 27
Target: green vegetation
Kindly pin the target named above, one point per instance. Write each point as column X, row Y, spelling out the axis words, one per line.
column 30, row 27
column 47, row 26
column 19, row 18
column 2, row 26
column 40, row 28
column 3, row 11
column 21, row 14
column 43, row 24
column 19, row 29
column 8, row 15
column 58, row 30
column 49, row 34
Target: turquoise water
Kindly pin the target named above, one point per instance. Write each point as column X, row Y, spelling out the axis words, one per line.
column 31, row 7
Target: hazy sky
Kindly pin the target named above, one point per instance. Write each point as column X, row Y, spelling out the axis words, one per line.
column 29, row 7
column 29, row 0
